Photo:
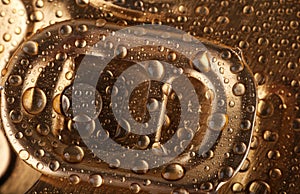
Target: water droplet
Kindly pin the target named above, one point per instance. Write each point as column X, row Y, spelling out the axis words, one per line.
column 297, row 150
column 95, row 180
column 59, row 13
column 173, row 172
column 180, row 191
column 39, row 3
column 208, row 155
column 15, row 80
column 34, row 100
column 39, row 153
column 155, row 70
column 217, row 121
column 82, row 3
column 69, row 75
column 237, row 187
column 19, row 135
column 264, row 108
column 206, row 186
column 270, row 136
column 16, row 116
column 37, row 16
column 254, row 142
column 202, row 10
column 153, row 105
column 114, row 163
column 121, row 51
column 259, row 78
column 225, row 173
column 74, row 179
column 172, row 56
column 275, row 173
column 140, row 167
column 201, row 62
column 31, row 48
column 223, row 20
column 65, row 30
column 54, row 165
column 60, row 56
column 100, row 22
column 245, row 125
column 259, row 187
column 143, row 142
column 240, row 148
column 273, row 155
column 2, row 48
column 6, row 37
column 83, row 124
column 6, row 2
column 248, row 9
column 226, row 54
column 73, row 154
column 239, row 89
column 80, row 43
column 245, row 166
column 24, row 155
column 40, row 166
column 236, row 68
column 135, row 188
column 43, row 129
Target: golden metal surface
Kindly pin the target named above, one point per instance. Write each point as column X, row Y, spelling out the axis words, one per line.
column 267, row 33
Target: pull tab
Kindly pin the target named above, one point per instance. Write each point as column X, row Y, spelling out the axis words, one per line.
column 143, row 108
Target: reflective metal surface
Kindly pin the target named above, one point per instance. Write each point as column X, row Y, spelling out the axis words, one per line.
column 252, row 52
